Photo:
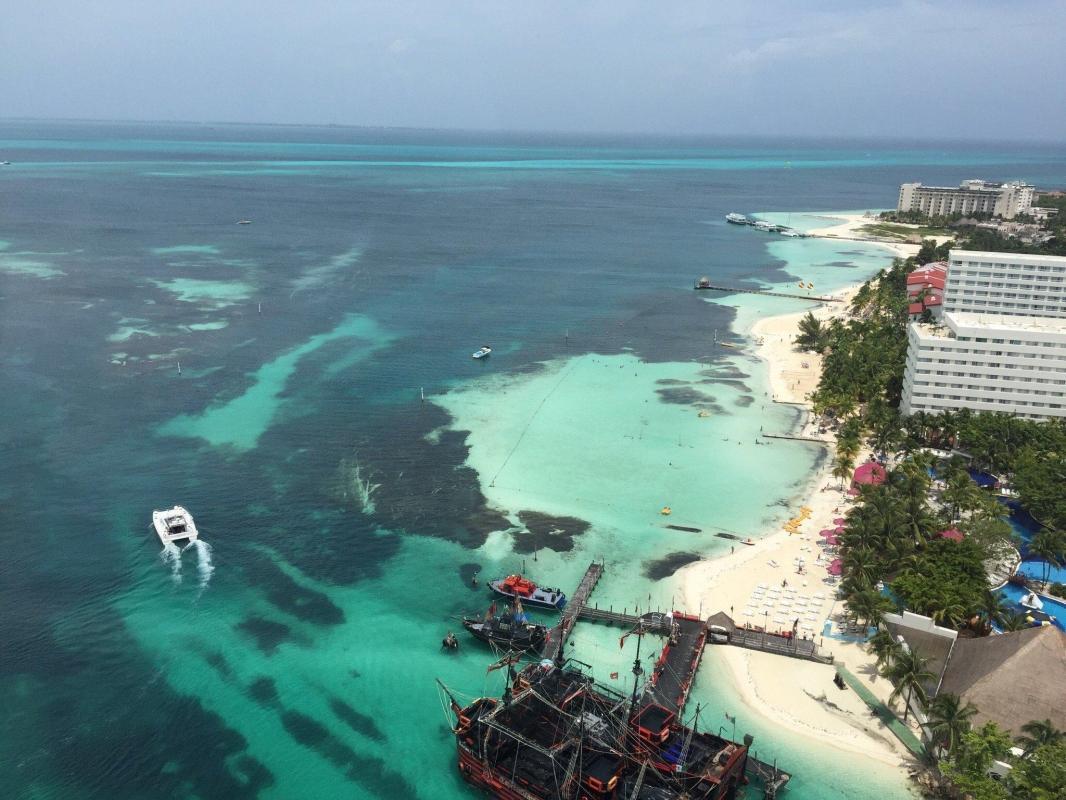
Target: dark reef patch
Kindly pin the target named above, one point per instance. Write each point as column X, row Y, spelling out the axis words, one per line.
column 267, row 633
column 669, row 564
column 372, row 773
column 744, row 401
column 357, row 721
column 264, row 691
column 736, row 383
column 684, row 397
column 434, row 476
column 218, row 663
column 671, row 382
column 288, row 595
column 544, row 531
column 845, row 264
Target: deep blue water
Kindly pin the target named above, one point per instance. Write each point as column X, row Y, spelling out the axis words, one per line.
column 380, row 260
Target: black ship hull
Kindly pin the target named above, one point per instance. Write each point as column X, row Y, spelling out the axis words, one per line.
column 521, row 636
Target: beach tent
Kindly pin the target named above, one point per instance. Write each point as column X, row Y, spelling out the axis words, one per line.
column 869, row 474
column 954, row 534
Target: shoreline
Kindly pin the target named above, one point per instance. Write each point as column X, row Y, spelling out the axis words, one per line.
column 803, row 697
column 850, row 229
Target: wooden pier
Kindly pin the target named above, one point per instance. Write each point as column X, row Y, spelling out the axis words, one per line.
column 767, row 292
column 574, row 606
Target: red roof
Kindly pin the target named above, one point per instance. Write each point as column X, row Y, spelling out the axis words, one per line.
column 925, row 280
column 952, row 533
column 871, row 473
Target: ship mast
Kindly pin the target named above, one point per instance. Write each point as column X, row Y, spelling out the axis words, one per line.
column 637, row 669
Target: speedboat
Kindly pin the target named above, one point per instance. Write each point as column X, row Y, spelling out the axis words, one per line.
column 737, row 219
column 511, row 631
column 174, row 525
column 244, row 222
column 484, row 351
column 515, row 587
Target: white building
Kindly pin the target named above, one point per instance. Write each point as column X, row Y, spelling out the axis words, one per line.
column 970, row 197
column 1005, row 283
column 1010, row 364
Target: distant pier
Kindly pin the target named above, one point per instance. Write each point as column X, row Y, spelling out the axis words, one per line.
column 703, row 287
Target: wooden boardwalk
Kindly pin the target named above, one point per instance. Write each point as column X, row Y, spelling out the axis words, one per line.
column 804, row 649
column 732, row 289
column 574, row 605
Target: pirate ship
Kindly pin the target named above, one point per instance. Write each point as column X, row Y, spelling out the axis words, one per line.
column 558, row 734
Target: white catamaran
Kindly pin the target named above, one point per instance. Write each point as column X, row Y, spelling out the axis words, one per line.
column 174, row 525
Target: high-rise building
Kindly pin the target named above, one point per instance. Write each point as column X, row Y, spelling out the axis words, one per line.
column 1005, row 200
column 982, row 362
column 1000, row 344
column 1005, row 283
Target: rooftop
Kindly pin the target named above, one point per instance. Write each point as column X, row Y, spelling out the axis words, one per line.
column 1012, row 678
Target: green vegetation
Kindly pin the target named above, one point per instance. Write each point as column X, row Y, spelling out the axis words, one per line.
column 946, row 581
column 904, row 232
column 1038, row 775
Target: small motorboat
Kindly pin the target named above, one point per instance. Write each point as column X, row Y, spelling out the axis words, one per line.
column 511, row 630
column 244, row 222
column 515, row 587
column 174, row 525
column 666, row 511
column 483, row 352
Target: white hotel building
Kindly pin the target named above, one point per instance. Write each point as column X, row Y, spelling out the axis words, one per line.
column 1005, row 200
column 1001, row 343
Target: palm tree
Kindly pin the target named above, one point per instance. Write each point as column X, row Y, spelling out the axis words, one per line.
column 1013, row 621
column 1039, row 733
column 869, row 605
column 949, row 719
column 993, row 608
column 909, row 673
column 885, row 647
column 841, row 469
column 1048, row 545
column 951, row 613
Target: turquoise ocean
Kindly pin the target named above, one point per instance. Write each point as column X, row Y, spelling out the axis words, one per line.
column 303, row 384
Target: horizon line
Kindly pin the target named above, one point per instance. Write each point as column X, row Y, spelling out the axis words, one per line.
column 539, row 131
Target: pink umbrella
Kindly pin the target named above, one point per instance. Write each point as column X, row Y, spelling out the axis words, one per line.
column 832, row 539
column 839, row 521
column 836, row 567
column 838, row 531
column 825, row 533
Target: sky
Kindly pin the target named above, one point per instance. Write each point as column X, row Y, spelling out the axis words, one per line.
column 980, row 69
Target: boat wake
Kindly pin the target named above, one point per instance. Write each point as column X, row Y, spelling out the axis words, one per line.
column 363, row 488
column 203, row 561
column 171, row 556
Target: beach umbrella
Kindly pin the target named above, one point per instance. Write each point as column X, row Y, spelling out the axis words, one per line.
column 839, row 521
column 826, row 532
column 838, row 531
column 836, row 567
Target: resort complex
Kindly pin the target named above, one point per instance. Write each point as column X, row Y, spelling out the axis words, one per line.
column 998, row 341
column 1006, row 200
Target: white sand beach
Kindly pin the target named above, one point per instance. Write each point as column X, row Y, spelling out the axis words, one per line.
column 763, row 584
column 851, row 228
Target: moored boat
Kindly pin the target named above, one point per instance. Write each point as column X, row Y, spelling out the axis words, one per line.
column 510, row 630
column 737, row 219
column 516, row 587
column 483, row 352
column 174, row 525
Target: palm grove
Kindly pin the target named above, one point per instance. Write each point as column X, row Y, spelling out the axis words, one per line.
column 891, row 534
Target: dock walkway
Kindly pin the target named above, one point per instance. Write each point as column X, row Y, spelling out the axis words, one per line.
column 767, row 292
column 574, row 606
column 804, row 649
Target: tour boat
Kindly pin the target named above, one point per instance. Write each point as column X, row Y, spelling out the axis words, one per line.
column 484, row 351
column 515, row 587
column 511, row 631
column 737, row 219
column 174, row 525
